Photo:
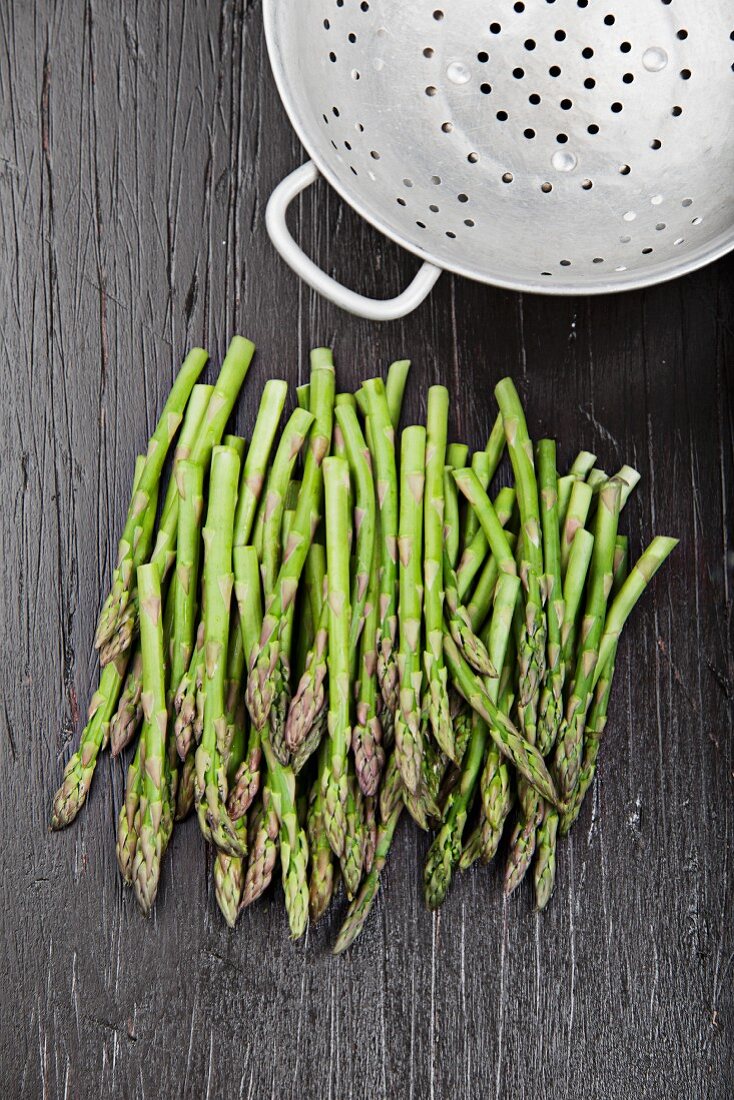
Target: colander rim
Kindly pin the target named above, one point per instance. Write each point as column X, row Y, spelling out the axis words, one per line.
column 696, row 259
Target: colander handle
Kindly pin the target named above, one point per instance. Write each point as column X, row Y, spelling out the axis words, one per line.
column 373, row 309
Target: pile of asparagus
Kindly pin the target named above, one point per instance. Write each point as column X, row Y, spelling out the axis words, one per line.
column 338, row 623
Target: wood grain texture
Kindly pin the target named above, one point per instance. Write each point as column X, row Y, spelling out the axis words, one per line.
column 138, row 145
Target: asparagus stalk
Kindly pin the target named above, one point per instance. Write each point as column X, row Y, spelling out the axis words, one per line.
column 263, row 850
column 596, row 478
column 211, row 778
column 495, row 788
column 640, row 576
column 460, row 625
column 445, row 851
column 497, row 538
column 570, row 736
column 293, row 842
column 255, row 464
column 151, row 842
column 123, row 577
column 229, row 870
column 335, row 784
column 249, row 602
column 596, row 722
column 574, row 582
column 370, row 833
column 360, row 907
column 475, row 554
column 576, row 515
column 408, row 734
column 369, row 754
column 580, row 467
column 190, row 481
column 188, row 701
column 531, row 647
column 224, row 394
column 462, row 728
column 321, row 881
column 79, row 771
column 437, row 699
column 526, row 758
column 129, row 711
column 353, row 855
column 127, row 625
column 391, row 789
column 310, row 697
column 495, row 446
column 231, row 376
column 457, row 455
column 126, row 840
column 360, row 466
column 480, row 602
column 309, row 701
column 260, row 685
column 193, row 421
column 382, row 444
column 229, row 882
column 544, row 873
column 395, row 382
column 451, row 506
column 480, row 464
column 303, row 396
column 551, row 698
column 238, row 443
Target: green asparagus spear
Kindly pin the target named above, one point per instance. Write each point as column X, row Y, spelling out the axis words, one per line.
column 545, row 862
column 353, row 856
column 231, row 376
column 437, row 699
column 569, row 745
column 334, row 786
column 128, row 715
column 263, row 849
column 582, row 464
column 474, row 556
column 151, row 840
column 246, row 781
column 640, row 576
column 577, row 512
column 574, row 582
column 445, row 851
column 495, row 786
column 382, row 444
column 360, row 466
column 531, row 647
column 79, row 771
column 211, row 778
column 408, row 734
column 511, row 743
column 367, row 735
column 321, row 881
column 260, row 685
column 395, row 382
column 360, row 907
column 123, row 578
column 190, row 479
column 551, row 697
column 480, row 464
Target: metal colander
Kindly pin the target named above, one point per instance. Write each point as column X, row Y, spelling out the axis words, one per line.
column 560, row 146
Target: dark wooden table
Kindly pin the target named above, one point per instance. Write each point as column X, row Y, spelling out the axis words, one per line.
column 138, row 146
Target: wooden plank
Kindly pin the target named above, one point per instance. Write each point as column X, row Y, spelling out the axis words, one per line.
column 139, row 148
